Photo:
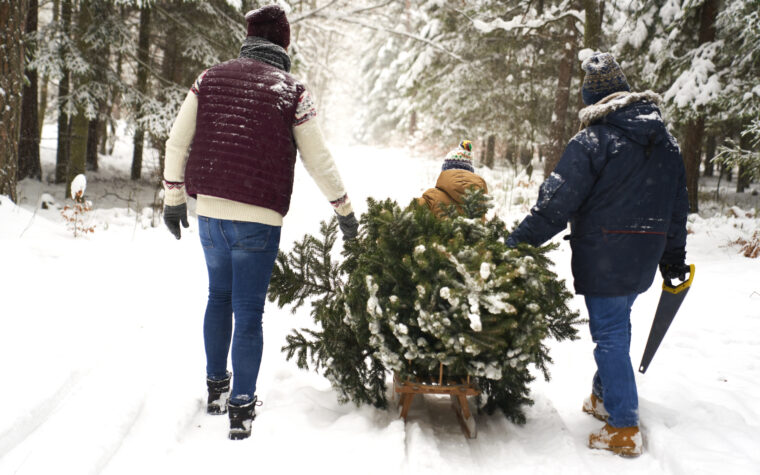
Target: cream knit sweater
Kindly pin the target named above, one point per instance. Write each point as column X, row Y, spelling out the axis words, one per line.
column 314, row 154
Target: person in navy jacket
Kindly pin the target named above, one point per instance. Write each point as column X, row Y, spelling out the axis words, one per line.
column 621, row 184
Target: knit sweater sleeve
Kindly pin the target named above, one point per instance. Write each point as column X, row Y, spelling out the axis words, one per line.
column 316, row 157
column 177, row 149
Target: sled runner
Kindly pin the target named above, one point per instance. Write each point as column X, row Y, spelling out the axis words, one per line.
column 457, row 392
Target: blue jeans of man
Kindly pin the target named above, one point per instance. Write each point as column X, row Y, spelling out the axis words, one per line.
column 614, row 381
column 239, row 257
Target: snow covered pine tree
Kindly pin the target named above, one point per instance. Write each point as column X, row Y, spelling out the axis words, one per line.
column 415, row 291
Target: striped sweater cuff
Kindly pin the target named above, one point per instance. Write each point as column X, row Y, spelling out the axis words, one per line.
column 174, row 193
column 342, row 205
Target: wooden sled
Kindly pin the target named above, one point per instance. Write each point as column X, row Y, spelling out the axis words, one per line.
column 457, row 392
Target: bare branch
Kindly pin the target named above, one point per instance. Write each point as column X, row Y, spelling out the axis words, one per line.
column 374, row 7
column 311, row 13
column 150, row 69
column 232, row 22
column 400, row 33
column 184, row 26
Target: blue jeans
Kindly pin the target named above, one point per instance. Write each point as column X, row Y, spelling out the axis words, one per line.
column 239, row 257
column 614, row 381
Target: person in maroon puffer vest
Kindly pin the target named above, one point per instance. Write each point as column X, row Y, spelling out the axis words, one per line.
column 233, row 147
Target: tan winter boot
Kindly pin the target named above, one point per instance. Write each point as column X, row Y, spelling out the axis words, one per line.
column 594, row 406
column 625, row 441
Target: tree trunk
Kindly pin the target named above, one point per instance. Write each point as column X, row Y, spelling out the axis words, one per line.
column 79, row 126
column 143, row 57
column 692, row 149
column 526, row 159
column 490, row 151
column 64, row 143
column 14, row 13
column 742, row 175
column 592, row 37
column 511, row 154
column 695, row 128
column 100, row 11
column 42, row 110
column 42, row 104
column 710, row 147
column 114, row 101
column 93, row 134
column 172, row 47
column 170, row 69
column 79, row 123
column 561, row 102
column 29, row 145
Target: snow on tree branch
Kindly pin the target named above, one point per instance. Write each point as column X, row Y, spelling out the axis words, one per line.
column 527, row 21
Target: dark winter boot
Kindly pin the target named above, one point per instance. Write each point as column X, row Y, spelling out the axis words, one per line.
column 241, row 418
column 218, row 394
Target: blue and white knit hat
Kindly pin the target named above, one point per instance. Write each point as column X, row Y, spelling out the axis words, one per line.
column 603, row 77
column 460, row 158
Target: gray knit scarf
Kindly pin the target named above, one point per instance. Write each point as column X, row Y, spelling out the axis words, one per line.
column 266, row 52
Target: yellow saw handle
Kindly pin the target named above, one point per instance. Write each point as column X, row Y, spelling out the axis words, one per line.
column 680, row 287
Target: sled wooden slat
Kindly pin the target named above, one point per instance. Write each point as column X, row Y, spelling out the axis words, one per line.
column 458, row 393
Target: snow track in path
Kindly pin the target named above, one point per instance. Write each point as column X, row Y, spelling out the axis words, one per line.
column 435, row 442
column 26, row 424
column 84, row 424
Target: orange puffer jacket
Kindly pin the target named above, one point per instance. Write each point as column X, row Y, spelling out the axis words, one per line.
column 450, row 189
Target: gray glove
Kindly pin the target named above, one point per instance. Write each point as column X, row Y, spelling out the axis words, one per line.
column 349, row 226
column 173, row 215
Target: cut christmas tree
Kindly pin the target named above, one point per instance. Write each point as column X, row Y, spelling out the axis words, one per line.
column 414, row 291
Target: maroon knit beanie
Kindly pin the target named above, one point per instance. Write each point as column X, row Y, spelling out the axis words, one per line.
column 270, row 23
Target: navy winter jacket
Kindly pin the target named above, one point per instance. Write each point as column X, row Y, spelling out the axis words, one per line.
column 621, row 184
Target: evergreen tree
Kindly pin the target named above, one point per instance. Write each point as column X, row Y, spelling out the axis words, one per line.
column 415, row 292
column 485, row 69
column 739, row 100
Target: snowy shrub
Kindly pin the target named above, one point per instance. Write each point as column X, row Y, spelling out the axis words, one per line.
column 750, row 247
column 77, row 216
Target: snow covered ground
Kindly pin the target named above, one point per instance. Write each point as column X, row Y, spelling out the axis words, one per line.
column 103, row 368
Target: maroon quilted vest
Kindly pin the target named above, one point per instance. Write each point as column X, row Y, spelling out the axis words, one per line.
column 243, row 149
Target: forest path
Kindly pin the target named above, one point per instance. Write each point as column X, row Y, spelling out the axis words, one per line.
column 101, row 342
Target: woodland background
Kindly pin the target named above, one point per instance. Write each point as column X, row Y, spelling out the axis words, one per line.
column 422, row 73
